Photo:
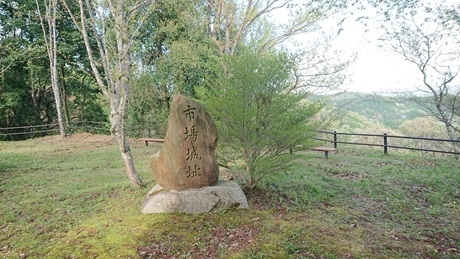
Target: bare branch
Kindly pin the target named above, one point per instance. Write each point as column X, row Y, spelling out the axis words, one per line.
column 431, row 47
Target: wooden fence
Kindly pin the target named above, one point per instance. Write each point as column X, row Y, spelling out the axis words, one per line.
column 33, row 131
column 385, row 141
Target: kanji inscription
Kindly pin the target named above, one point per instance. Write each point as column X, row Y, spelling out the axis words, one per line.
column 187, row 158
column 191, row 134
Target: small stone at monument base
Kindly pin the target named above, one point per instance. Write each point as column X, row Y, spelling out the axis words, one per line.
column 224, row 195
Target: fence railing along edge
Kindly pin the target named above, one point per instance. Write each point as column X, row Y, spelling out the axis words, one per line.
column 32, row 131
column 385, row 144
column 42, row 130
column 103, row 127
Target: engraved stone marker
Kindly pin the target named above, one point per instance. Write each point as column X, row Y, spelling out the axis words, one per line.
column 186, row 169
column 187, row 159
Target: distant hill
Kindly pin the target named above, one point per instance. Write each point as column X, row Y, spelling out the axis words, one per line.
column 356, row 110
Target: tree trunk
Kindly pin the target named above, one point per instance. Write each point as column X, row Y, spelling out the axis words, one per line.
column 117, row 125
column 57, row 99
column 53, row 65
column 115, row 60
column 250, row 171
column 51, row 47
column 122, row 70
column 131, row 169
column 443, row 116
column 65, row 107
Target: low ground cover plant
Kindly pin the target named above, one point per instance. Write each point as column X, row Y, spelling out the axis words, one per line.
column 70, row 199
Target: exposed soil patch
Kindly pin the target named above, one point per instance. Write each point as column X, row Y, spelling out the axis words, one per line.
column 349, row 176
column 217, row 241
column 77, row 137
column 264, row 199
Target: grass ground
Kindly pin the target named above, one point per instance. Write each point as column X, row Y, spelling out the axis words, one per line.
column 71, row 199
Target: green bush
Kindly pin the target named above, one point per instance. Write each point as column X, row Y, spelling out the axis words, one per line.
column 260, row 122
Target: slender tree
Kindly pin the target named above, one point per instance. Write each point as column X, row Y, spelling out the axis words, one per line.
column 429, row 40
column 113, row 26
column 50, row 38
column 26, row 96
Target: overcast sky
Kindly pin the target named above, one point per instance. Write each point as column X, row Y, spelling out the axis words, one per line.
column 375, row 70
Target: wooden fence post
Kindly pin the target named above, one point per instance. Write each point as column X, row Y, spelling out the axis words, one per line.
column 31, row 130
column 335, row 139
column 385, row 143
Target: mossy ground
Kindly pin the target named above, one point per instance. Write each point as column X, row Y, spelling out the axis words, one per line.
column 71, row 199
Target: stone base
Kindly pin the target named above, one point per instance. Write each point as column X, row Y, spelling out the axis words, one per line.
column 224, row 195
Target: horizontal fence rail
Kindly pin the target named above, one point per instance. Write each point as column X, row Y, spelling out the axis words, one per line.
column 384, row 141
column 32, row 131
column 381, row 140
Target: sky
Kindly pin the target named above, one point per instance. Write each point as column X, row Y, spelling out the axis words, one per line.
column 374, row 70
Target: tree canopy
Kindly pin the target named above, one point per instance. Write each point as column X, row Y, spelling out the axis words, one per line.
column 26, row 96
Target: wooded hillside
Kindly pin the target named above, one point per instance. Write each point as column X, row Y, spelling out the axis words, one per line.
column 372, row 113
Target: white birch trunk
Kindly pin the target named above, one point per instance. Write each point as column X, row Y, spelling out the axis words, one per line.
column 123, row 74
column 51, row 47
column 116, row 62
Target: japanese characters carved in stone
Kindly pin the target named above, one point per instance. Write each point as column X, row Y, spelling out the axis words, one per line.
column 187, row 159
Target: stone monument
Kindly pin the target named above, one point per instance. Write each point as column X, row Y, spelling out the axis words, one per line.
column 186, row 169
